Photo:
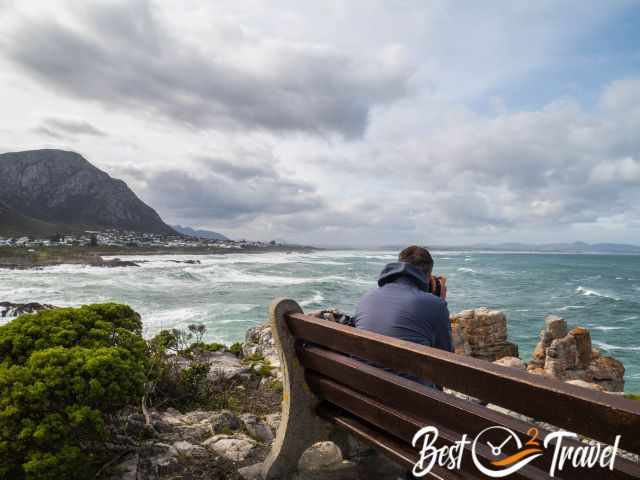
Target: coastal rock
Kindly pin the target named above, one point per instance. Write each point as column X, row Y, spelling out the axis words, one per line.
column 251, row 472
column 235, row 447
column 9, row 309
column 584, row 384
column 556, row 326
column 321, row 455
column 273, row 420
column 608, row 373
column 570, row 356
column 259, row 343
column 188, row 449
column 224, row 421
column 583, row 346
column 114, row 262
column 257, row 428
column 223, row 365
column 482, row 333
column 513, row 362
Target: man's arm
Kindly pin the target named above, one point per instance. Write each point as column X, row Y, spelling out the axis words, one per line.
column 442, row 329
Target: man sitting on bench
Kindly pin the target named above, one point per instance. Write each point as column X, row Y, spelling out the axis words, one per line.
column 409, row 303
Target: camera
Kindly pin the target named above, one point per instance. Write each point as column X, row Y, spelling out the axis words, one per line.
column 435, row 286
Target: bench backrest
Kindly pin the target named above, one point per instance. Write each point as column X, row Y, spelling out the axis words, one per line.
column 337, row 363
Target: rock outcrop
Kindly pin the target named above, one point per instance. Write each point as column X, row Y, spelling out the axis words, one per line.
column 482, row 333
column 9, row 309
column 568, row 355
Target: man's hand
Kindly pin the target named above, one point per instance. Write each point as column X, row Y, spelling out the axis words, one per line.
column 443, row 285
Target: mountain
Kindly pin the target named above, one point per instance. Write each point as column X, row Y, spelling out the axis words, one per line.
column 12, row 222
column 44, row 191
column 575, row 247
column 199, row 233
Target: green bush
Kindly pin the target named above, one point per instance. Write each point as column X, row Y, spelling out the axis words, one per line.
column 62, row 372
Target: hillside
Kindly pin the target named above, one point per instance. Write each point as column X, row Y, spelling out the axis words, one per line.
column 44, row 191
column 208, row 234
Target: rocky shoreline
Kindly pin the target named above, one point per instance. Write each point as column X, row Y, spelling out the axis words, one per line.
column 14, row 258
column 231, row 442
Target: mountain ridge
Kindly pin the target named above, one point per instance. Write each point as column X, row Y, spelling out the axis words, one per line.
column 49, row 190
column 200, row 233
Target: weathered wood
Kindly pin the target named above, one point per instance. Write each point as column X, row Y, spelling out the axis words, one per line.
column 397, row 451
column 433, row 407
column 594, row 414
column 404, row 427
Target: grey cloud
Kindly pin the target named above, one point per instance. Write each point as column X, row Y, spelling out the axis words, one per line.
column 59, row 127
column 132, row 61
column 236, row 170
column 207, row 196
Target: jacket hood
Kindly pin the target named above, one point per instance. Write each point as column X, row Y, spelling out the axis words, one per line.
column 395, row 270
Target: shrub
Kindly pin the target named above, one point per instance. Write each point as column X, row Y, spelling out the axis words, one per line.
column 236, row 349
column 62, row 372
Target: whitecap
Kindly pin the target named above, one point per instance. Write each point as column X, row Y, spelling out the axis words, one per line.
column 632, row 317
column 571, row 307
column 316, row 299
column 588, row 293
column 467, row 270
column 608, row 346
column 606, row 328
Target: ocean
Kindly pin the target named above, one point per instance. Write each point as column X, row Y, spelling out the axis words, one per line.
column 230, row 293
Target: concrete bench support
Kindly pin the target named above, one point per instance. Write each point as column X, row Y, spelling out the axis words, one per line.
column 300, row 426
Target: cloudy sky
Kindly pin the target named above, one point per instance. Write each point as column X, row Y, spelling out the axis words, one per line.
column 343, row 122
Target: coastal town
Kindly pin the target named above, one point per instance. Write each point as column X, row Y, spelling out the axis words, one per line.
column 130, row 239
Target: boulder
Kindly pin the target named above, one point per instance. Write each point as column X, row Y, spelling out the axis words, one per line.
column 259, row 343
column 482, row 333
column 320, row 456
column 223, row 365
column 256, row 428
column 513, row 362
column 9, row 309
column 561, row 356
column 556, row 326
column 235, row 447
column 188, row 449
column 584, row 384
column 273, row 420
column 251, row 472
column 224, row 421
column 608, row 373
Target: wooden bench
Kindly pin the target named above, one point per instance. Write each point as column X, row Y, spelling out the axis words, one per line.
column 328, row 388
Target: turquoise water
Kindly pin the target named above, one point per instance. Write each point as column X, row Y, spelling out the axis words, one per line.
column 230, row 293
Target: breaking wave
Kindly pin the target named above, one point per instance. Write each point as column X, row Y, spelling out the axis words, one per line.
column 593, row 293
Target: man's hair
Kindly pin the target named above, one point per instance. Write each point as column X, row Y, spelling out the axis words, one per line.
column 418, row 257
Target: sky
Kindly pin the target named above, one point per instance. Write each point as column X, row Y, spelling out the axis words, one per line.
column 359, row 122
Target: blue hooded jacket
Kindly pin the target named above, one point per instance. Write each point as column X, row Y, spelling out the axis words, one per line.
column 401, row 307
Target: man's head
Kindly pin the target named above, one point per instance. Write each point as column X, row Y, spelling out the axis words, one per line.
column 418, row 257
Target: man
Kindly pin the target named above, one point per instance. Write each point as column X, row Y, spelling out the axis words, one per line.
column 403, row 306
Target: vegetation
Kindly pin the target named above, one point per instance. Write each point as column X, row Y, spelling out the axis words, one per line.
column 62, row 372
column 632, row 396
column 68, row 375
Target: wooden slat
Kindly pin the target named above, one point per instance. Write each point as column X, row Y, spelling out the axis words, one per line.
column 594, row 414
column 397, row 451
column 432, row 407
column 404, row 427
